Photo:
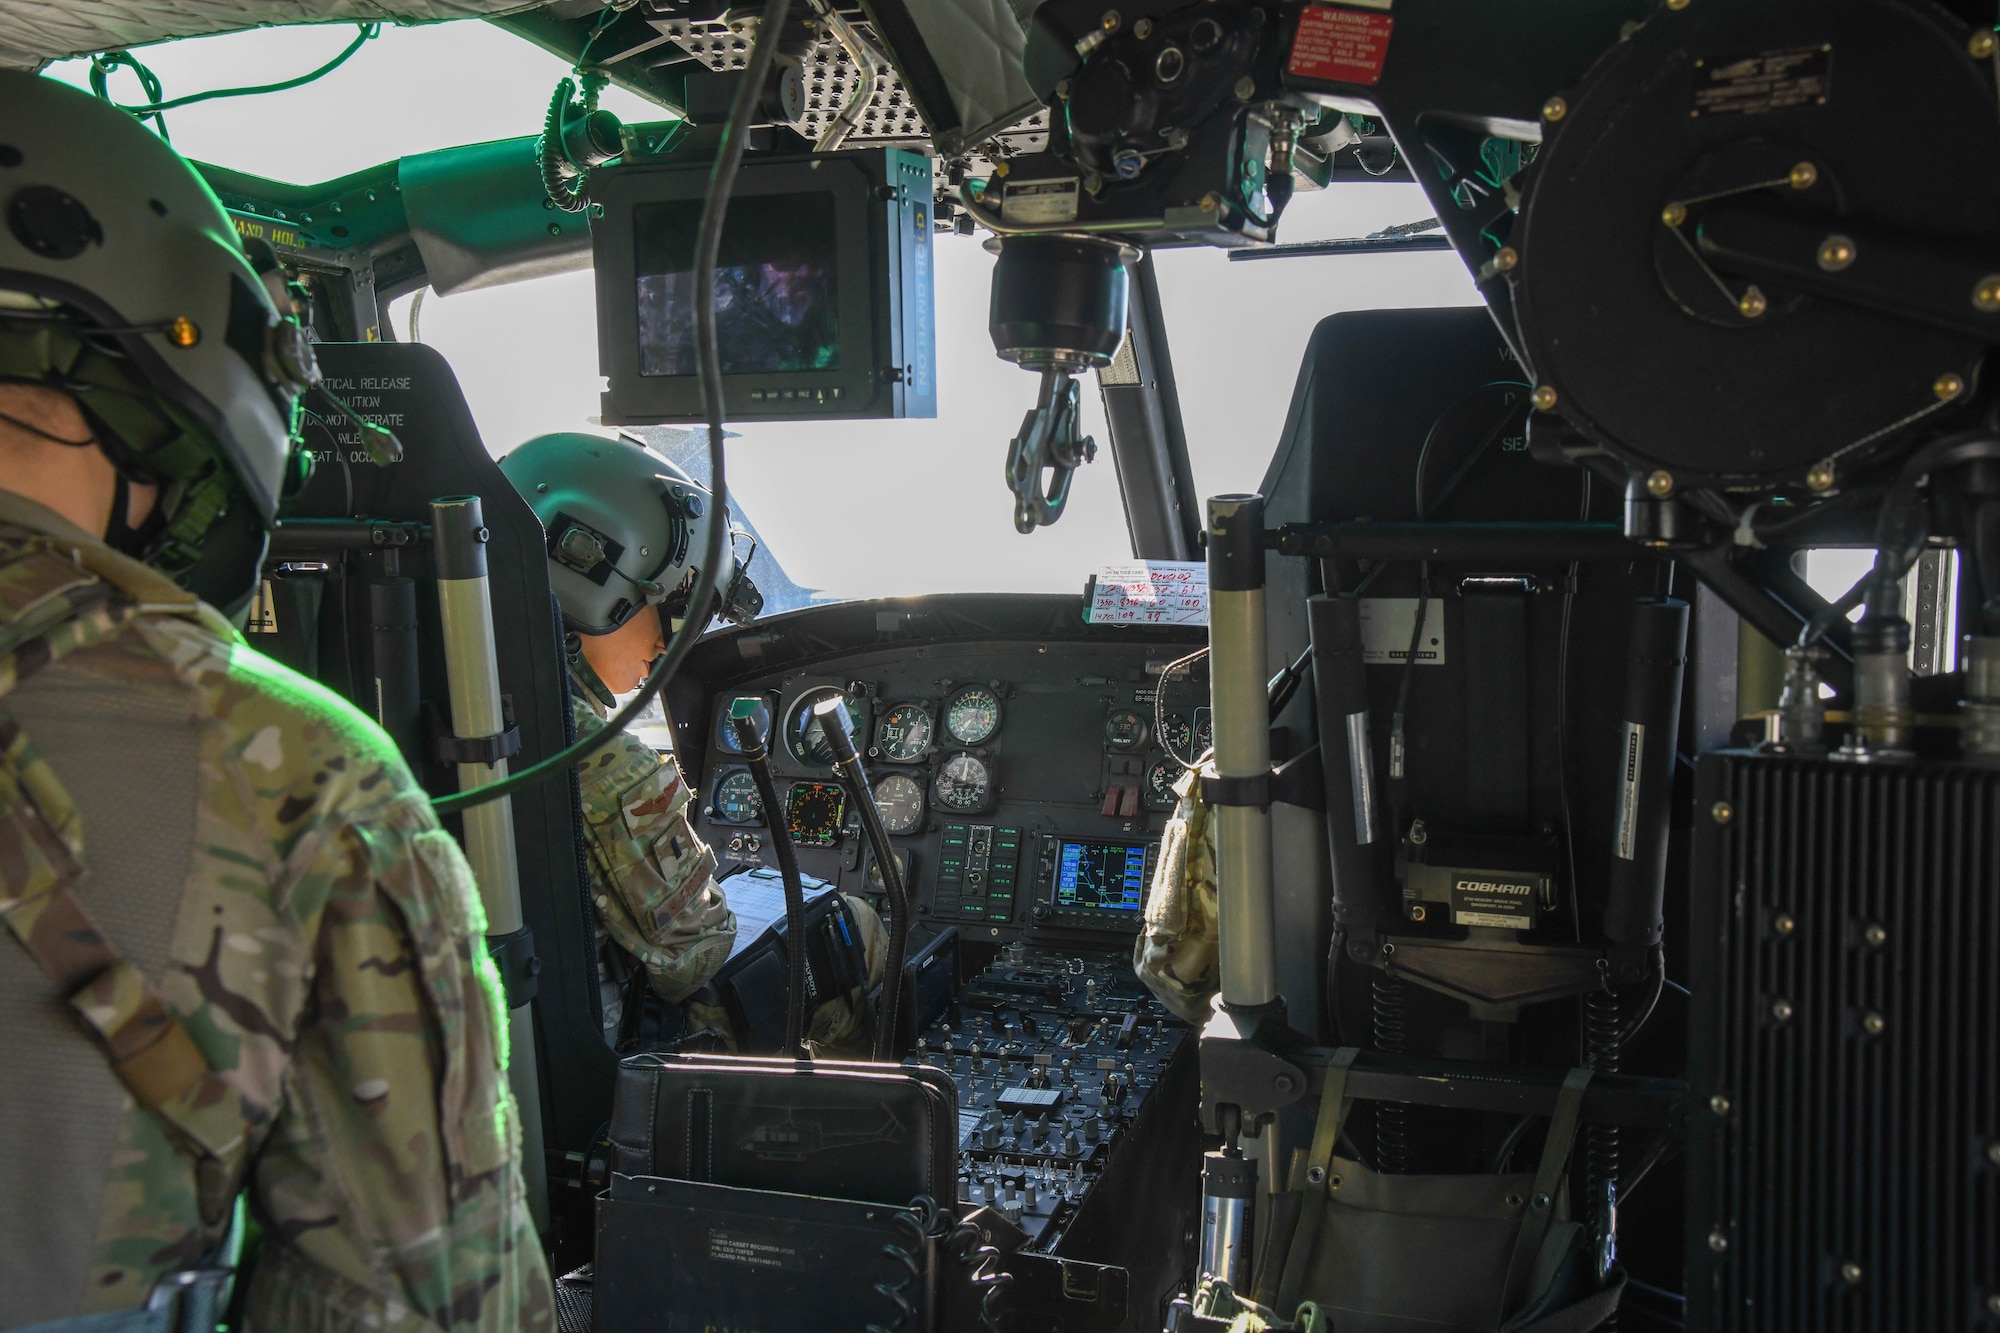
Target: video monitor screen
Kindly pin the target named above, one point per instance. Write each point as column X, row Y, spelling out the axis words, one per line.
column 777, row 299
column 1100, row 877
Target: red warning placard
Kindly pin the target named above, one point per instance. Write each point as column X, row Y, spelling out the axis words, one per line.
column 1341, row 45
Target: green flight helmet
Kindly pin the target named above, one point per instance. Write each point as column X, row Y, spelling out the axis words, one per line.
column 122, row 283
column 625, row 528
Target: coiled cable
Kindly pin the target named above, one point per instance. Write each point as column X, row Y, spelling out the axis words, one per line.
column 1392, row 1144
column 967, row 1245
column 915, row 1222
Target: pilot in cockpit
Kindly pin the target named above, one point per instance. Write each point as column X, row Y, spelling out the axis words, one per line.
column 623, row 525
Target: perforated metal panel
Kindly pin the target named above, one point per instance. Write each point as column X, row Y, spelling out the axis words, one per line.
column 890, row 118
column 1844, row 1127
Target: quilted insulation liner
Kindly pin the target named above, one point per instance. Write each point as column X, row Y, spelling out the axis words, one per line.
column 35, row 31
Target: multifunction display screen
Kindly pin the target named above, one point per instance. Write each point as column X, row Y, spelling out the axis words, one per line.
column 1100, row 876
column 777, row 299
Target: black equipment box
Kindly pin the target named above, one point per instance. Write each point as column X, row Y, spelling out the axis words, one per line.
column 680, row 1256
column 1843, row 1128
column 884, row 1134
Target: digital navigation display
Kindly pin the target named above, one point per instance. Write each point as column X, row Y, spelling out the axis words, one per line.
column 1100, row 876
column 777, row 294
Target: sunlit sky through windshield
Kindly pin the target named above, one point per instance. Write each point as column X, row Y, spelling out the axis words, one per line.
column 855, row 509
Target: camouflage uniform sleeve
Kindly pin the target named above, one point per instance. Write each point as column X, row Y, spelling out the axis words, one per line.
column 389, row 1191
column 652, row 878
column 1175, row 954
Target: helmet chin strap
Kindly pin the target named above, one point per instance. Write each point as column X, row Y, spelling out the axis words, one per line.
column 119, row 534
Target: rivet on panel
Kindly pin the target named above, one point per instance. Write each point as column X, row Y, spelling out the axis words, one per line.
column 1981, row 45
column 1722, row 812
column 1674, row 214
column 1947, row 387
column 1717, row 1241
column 1555, row 109
column 1986, row 293
column 1836, row 253
column 1804, row 176
column 1660, row 484
column 1719, row 1104
column 1544, row 397
column 1850, row 1273
column 1781, row 1011
column 1873, row 1024
column 1820, row 476
column 1783, row 924
column 1875, row 935
column 1506, row 259
column 1752, row 303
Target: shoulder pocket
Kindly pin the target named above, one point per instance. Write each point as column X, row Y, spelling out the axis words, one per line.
column 447, row 929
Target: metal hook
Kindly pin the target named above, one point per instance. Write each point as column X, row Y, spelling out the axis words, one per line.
column 1048, row 442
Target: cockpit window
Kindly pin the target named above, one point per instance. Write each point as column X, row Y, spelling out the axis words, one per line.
column 840, row 510
column 1239, row 328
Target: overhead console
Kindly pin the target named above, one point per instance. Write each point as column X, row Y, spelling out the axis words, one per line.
column 1023, row 762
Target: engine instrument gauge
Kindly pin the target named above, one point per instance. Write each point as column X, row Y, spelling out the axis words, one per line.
column 973, row 715
column 904, row 733
column 735, row 799
column 964, row 784
column 1125, row 730
column 899, row 799
column 1177, row 734
column 1158, row 793
column 725, row 731
column 1204, row 732
column 805, row 735
column 813, row 813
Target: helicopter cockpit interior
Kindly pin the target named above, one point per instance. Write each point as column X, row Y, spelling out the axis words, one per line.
column 1478, row 871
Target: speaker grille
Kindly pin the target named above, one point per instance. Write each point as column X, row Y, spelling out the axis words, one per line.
column 1844, row 1127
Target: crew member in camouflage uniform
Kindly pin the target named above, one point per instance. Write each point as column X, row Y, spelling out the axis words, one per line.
column 242, row 960
column 623, row 525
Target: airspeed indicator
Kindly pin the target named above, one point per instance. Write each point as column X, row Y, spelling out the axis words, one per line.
column 972, row 716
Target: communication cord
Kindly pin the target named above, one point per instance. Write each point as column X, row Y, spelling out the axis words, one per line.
column 102, row 65
column 708, row 360
column 830, row 707
column 758, row 760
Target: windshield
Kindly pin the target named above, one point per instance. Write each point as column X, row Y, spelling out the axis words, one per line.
column 839, row 509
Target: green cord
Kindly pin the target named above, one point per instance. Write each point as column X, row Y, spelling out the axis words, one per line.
column 364, row 34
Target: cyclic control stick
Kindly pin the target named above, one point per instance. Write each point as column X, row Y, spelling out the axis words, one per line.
column 758, row 760
column 832, row 714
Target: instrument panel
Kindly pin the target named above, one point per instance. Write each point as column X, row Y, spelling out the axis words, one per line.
column 1023, row 785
